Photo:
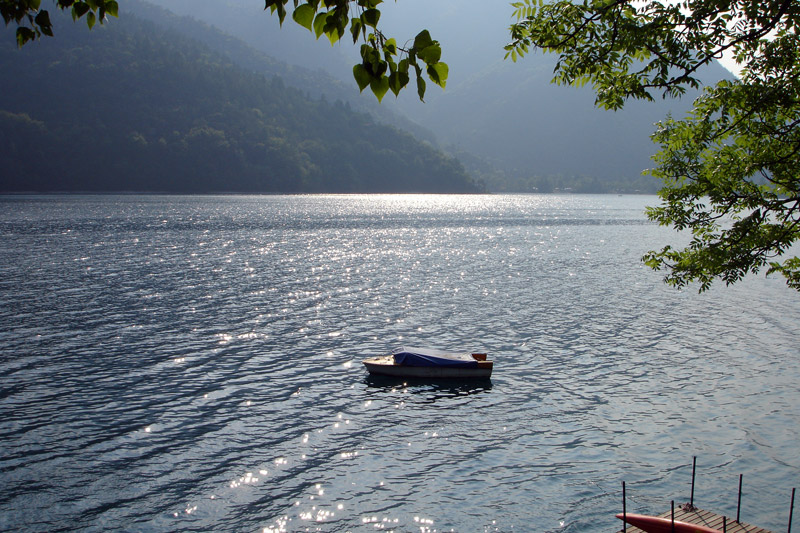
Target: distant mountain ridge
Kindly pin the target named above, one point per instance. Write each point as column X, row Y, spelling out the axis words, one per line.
column 308, row 76
column 130, row 106
column 505, row 120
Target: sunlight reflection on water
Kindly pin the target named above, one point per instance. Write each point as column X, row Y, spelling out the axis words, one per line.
column 178, row 364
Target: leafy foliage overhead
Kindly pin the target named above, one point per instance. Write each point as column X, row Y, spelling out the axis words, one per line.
column 731, row 168
column 33, row 22
column 384, row 64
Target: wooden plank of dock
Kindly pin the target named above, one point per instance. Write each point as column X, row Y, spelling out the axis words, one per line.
column 705, row 518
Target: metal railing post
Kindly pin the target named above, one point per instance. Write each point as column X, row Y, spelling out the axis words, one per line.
column 694, row 466
column 672, row 513
column 624, row 510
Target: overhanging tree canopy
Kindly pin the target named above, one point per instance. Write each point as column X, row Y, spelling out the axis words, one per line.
column 384, row 64
column 32, row 21
column 730, row 168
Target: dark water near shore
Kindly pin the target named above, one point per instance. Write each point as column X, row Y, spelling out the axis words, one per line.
column 193, row 364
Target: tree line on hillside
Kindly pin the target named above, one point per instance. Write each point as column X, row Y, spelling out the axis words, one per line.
column 130, row 107
column 521, row 180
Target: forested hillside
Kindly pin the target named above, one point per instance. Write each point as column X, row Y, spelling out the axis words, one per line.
column 130, row 106
column 260, row 57
column 505, row 121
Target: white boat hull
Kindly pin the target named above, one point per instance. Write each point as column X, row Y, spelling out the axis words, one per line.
column 385, row 366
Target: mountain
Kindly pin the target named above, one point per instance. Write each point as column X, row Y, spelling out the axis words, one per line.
column 505, row 120
column 308, row 74
column 132, row 106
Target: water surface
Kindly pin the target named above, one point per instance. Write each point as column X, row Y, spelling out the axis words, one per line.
column 193, row 363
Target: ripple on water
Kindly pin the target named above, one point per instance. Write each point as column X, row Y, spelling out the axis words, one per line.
column 176, row 363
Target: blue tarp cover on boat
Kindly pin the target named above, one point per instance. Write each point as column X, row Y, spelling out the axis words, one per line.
column 429, row 357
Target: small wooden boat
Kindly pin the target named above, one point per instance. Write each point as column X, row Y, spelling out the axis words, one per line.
column 656, row 524
column 428, row 363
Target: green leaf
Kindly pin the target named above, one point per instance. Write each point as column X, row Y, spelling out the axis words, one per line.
column 43, row 21
column 112, row 8
column 430, row 54
column 398, row 80
column 438, row 74
column 91, row 19
column 362, row 76
column 276, row 5
column 79, row 9
column 334, row 34
column 355, row 29
column 304, row 15
column 379, row 86
column 319, row 23
column 421, row 88
column 422, row 40
column 371, row 17
column 24, row 35
column 372, row 61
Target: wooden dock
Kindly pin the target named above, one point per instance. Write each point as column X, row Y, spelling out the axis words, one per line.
column 685, row 513
column 689, row 514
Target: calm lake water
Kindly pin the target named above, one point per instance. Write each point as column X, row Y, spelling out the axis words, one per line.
column 193, row 364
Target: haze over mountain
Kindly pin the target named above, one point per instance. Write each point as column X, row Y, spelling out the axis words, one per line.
column 130, row 106
column 503, row 119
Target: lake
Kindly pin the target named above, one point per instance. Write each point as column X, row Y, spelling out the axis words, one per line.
column 194, row 364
